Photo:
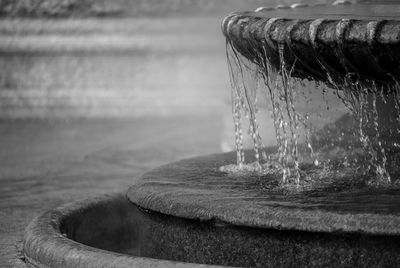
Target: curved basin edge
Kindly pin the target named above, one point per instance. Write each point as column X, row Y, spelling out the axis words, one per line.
column 46, row 246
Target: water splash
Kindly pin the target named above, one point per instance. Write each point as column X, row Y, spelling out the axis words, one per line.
column 360, row 144
column 248, row 81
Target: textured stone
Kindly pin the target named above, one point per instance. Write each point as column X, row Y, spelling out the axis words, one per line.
column 196, row 189
column 94, row 233
column 199, row 214
column 214, row 242
column 344, row 40
column 110, row 218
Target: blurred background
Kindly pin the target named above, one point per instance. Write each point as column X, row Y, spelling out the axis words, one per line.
column 124, row 58
column 95, row 92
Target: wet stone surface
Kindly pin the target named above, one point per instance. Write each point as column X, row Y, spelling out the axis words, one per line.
column 213, row 242
column 196, row 189
column 195, row 213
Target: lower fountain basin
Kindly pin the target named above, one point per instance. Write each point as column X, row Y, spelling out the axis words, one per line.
column 111, row 231
column 100, row 232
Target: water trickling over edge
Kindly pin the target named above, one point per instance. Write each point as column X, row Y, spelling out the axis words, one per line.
column 364, row 142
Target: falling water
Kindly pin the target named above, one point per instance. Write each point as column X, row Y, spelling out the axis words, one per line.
column 304, row 152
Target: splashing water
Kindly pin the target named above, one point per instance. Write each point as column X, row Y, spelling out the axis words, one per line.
column 361, row 141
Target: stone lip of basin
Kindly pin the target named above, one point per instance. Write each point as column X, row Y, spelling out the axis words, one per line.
column 101, row 219
column 360, row 39
column 111, row 231
column 195, row 189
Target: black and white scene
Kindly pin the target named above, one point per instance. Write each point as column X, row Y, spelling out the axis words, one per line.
column 199, row 133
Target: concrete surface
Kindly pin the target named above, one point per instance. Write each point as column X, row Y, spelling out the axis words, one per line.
column 46, row 163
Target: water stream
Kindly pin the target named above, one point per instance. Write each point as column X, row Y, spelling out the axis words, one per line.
column 364, row 142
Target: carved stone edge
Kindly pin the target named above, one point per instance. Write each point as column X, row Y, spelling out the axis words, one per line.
column 376, row 42
column 46, row 246
column 379, row 31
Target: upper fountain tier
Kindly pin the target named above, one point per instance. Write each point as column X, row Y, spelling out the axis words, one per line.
column 358, row 40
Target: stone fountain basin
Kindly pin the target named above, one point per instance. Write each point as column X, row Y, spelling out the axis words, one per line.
column 106, row 231
column 360, row 38
column 200, row 224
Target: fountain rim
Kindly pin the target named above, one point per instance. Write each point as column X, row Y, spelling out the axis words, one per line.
column 159, row 194
column 358, row 11
column 45, row 245
column 322, row 49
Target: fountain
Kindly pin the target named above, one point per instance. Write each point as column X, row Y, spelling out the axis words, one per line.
column 355, row 58
column 325, row 196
